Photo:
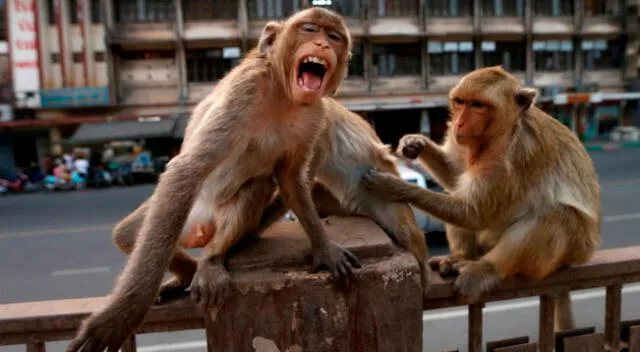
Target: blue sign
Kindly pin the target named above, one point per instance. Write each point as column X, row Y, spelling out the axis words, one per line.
column 74, row 97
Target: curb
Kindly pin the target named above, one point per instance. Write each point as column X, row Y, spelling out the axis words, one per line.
column 611, row 146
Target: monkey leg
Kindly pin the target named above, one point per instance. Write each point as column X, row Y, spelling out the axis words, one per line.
column 211, row 284
column 398, row 221
column 464, row 247
column 183, row 266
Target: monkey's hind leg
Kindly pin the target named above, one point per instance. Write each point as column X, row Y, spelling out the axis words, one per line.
column 464, row 248
column 183, row 266
column 398, row 221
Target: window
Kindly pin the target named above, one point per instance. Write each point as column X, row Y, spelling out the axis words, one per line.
column 395, row 8
column 602, row 54
column 511, row 55
column 347, row 8
column 264, row 9
column 553, row 8
column 553, row 55
column 51, row 12
column 450, row 8
column 198, row 10
column 147, row 55
column 208, row 65
column 451, row 58
column 602, row 7
column 136, row 11
column 356, row 65
column 396, row 59
column 73, row 11
column 500, row 8
column 96, row 11
column 3, row 33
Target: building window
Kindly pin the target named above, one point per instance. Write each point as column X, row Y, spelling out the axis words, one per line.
column 396, row 59
column 209, row 65
column 99, row 56
column 511, row 55
column 347, row 8
column 602, row 7
column 451, row 58
column 553, row 8
column 198, row 10
column 96, row 11
column 602, row 54
column 553, row 55
column 147, row 55
column 395, row 8
column 51, row 12
column 356, row 65
column 501, row 8
column 73, row 11
column 3, row 33
column 450, row 8
column 136, row 11
column 265, row 9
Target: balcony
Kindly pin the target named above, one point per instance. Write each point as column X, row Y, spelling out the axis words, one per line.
column 211, row 20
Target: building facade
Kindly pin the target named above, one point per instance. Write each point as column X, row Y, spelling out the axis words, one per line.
column 76, row 62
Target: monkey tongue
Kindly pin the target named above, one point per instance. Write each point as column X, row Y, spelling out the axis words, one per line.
column 310, row 81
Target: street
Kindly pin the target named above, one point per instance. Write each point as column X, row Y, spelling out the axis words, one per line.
column 58, row 245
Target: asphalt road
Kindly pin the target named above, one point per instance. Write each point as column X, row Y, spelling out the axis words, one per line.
column 55, row 246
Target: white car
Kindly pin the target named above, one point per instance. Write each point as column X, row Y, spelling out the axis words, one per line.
column 426, row 222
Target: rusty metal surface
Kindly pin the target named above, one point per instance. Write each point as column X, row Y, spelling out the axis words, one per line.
column 475, row 328
column 525, row 347
column 299, row 311
column 545, row 330
column 634, row 339
column 493, row 345
column 561, row 335
column 608, row 267
column 585, row 343
column 612, row 317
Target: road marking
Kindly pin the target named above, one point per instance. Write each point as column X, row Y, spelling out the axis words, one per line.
column 531, row 303
column 58, row 231
column 621, row 217
column 93, row 270
column 190, row 345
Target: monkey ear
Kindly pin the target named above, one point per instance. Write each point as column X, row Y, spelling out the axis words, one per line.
column 526, row 96
column 268, row 36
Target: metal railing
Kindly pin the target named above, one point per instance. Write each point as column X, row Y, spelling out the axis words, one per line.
column 34, row 323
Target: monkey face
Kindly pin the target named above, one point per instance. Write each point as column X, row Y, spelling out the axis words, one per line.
column 470, row 117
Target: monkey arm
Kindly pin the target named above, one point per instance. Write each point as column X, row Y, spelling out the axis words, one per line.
column 448, row 208
column 436, row 161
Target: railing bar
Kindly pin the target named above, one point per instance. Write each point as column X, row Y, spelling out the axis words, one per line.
column 546, row 334
column 612, row 317
column 634, row 339
column 475, row 327
column 36, row 346
column 130, row 345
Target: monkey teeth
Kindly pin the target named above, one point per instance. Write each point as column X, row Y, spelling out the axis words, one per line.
column 316, row 60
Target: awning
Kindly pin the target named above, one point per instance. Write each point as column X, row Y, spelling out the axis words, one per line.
column 123, row 130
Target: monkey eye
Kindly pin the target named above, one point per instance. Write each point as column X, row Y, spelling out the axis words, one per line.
column 458, row 101
column 477, row 104
column 308, row 27
column 335, row 36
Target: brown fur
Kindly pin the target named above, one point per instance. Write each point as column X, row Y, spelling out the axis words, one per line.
column 233, row 158
column 523, row 195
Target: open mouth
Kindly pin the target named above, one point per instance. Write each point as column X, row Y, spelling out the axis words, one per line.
column 311, row 71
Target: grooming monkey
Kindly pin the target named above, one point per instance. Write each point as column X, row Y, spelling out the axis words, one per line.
column 253, row 134
column 523, row 195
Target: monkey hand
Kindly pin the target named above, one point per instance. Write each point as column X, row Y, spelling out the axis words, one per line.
column 447, row 265
column 412, row 145
column 109, row 328
column 384, row 185
column 211, row 285
column 338, row 260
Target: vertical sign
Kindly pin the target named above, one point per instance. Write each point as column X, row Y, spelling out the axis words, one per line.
column 24, row 52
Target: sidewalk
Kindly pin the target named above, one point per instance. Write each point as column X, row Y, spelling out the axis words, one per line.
column 601, row 145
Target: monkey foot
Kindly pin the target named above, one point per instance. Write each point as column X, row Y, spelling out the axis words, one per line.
column 448, row 265
column 477, row 277
column 172, row 289
column 211, row 285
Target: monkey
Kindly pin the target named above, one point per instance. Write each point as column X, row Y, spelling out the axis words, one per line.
column 521, row 193
column 255, row 132
column 347, row 149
